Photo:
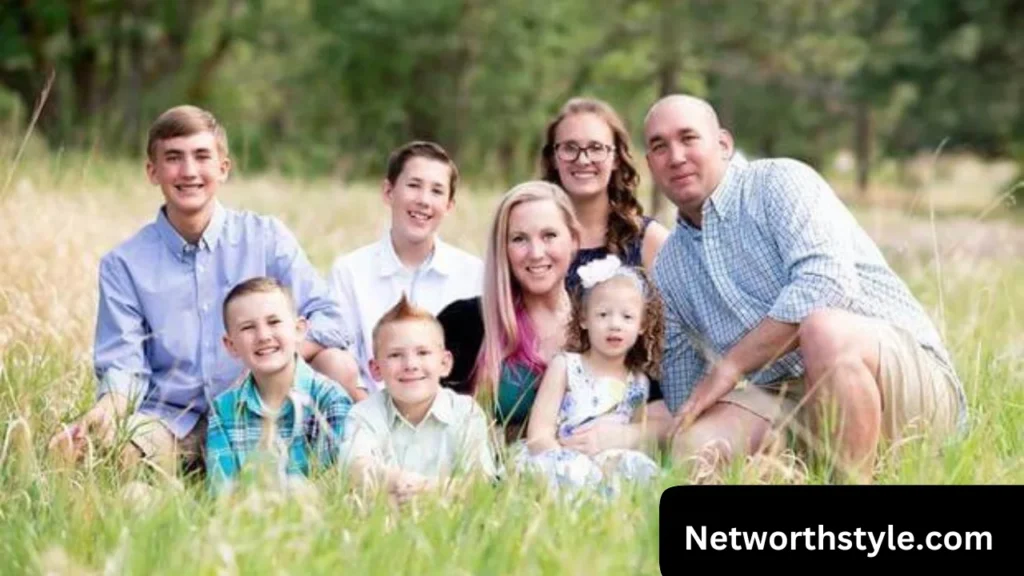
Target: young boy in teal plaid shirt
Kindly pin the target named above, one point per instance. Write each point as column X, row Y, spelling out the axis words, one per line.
column 283, row 408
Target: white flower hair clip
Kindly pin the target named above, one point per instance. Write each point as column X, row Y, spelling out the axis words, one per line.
column 593, row 273
column 598, row 271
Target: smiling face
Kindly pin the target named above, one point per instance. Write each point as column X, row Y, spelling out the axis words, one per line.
column 189, row 171
column 687, row 151
column 613, row 317
column 263, row 332
column 410, row 359
column 589, row 135
column 420, row 198
column 539, row 246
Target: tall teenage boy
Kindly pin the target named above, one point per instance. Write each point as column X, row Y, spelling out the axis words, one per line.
column 158, row 354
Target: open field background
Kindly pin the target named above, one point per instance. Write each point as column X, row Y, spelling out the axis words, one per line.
column 871, row 92
column 60, row 214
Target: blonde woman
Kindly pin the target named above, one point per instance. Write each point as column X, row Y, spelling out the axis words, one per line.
column 502, row 341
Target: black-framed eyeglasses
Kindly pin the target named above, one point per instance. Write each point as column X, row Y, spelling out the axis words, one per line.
column 570, row 151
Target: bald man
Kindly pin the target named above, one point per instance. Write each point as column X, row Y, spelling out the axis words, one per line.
column 779, row 306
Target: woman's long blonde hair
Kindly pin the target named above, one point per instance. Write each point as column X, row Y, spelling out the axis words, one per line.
column 509, row 333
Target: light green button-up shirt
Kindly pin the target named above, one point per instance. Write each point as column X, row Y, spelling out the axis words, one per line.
column 451, row 439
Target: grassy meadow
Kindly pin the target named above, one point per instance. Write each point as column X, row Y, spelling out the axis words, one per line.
column 59, row 214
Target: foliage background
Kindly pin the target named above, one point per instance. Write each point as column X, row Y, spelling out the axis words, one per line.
column 911, row 107
column 315, row 87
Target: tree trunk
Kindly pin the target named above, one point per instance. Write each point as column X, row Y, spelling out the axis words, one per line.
column 465, row 59
column 506, row 148
column 30, row 86
column 109, row 109
column 131, row 101
column 83, row 67
column 422, row 116
column 199, row 89
column 668, row 71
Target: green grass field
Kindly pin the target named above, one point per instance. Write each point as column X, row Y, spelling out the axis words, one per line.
column 60, row 214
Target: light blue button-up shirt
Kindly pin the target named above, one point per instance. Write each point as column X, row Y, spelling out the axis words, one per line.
column 775, row 242
column 160, row 325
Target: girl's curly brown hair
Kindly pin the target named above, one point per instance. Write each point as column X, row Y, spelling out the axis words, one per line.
column 645, row 355
column 625, row 217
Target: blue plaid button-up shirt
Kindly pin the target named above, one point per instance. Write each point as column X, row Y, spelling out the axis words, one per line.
column 159, row 323
column 775, row 241
column 310, row 426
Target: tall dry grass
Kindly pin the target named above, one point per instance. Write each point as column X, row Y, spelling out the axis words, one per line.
column 62, row 213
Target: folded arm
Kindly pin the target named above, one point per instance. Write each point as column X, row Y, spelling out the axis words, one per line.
column 327, row 343
column 813, row 234
column 338, row 365
column 121, row 367
column 119, row 355
column 340, row 284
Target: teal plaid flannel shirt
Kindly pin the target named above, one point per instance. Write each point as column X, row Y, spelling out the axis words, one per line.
column 310, row 425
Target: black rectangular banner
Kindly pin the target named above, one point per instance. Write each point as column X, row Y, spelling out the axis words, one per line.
column 939, row 526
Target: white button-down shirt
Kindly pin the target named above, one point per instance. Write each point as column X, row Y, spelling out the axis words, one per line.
column 368, row 281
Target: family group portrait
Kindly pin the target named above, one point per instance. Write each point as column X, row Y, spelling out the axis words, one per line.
column 463, row 288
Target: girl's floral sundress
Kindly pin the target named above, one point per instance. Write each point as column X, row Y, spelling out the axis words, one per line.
column 587, row 398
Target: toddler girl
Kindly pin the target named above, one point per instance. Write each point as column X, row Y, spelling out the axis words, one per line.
column 614, row 346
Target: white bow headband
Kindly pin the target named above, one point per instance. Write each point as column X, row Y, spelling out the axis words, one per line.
column 597, row 271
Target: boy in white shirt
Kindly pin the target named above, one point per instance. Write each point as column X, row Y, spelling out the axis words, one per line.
column 413, row 435
column 409, row 258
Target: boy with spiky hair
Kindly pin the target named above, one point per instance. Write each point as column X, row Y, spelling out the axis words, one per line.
column 413, row 434
column 410, row 257
column 282, row 409
column 157, row 353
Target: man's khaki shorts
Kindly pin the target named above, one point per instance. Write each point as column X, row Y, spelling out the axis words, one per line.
column 919, row 393
column 156, row 442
